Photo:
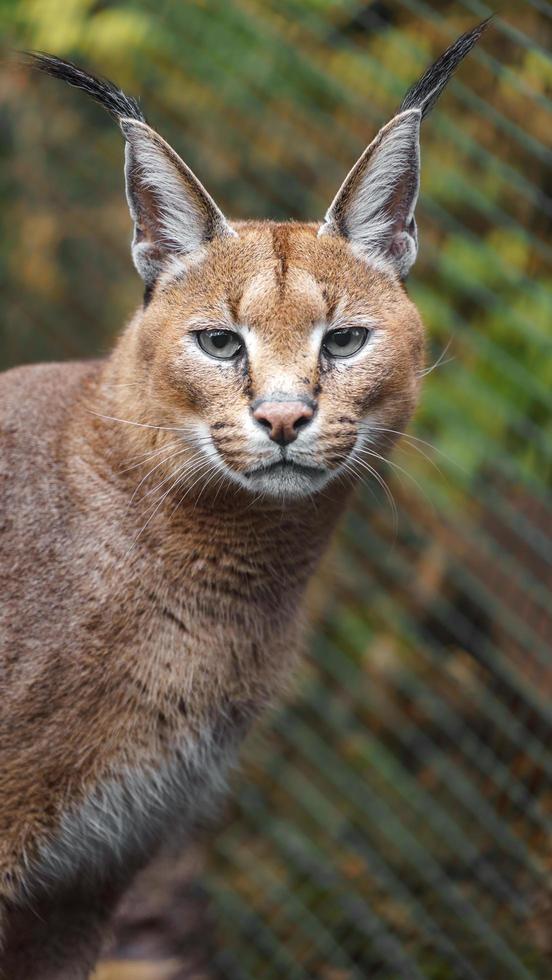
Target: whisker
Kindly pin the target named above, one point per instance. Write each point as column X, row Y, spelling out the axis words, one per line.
column 347, row 465
column 141, row 425
column 159, row 503
column 142, row 458
column 203, row 469
column 120, row 384
column 423, row 442
column 220, row 483
column 370, row 426
column 400, row 469
column 405, row 444
column 210, row 476
column 439, row 362
column 385, row 487
column 167, row 459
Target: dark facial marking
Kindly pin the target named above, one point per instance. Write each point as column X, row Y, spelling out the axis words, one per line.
column 280, row 240
column 234, row 306
column 247, row 379
column 330, row 301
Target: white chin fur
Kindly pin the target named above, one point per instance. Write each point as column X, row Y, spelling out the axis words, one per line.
column 284, row 484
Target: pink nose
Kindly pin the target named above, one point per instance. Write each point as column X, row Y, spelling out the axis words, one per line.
column 283, row 419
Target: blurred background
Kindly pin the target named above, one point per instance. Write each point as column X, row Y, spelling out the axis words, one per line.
column 393, row 819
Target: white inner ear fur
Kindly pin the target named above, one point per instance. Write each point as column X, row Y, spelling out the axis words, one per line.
column 170, row 207
column 374, row 207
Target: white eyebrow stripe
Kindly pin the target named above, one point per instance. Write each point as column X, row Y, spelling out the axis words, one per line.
column 343, row 317
column 222, row 322
column 317, row 334
column 347, row 320
column 250, row 338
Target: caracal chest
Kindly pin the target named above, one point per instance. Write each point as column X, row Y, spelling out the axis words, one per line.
column 190, row 712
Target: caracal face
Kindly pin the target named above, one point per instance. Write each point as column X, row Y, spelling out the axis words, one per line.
column 282, row 358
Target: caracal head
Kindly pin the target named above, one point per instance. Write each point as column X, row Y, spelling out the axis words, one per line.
column 282, row 355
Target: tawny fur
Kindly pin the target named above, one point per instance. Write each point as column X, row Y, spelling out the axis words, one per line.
column 121, row 644
column 152, row 586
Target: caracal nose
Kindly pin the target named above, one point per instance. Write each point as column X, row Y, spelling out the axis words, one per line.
column 283, row 419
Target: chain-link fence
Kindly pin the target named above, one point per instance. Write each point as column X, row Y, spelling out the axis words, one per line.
column 394, row 819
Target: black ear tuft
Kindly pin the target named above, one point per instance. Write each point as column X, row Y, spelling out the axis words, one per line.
column 424, row 93
column 103, row 91
column 172, row 212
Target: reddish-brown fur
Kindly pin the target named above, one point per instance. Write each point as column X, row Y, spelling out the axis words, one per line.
column 152, row 577
column 96, row 671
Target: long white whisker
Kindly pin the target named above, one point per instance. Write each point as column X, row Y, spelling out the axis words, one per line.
column 347, row 466
column 210, row 478
column 416, row 439
column 187, row 463
column 142, row 458
column 220, row 483
column 406, row 444
column 385, row 487
column 400, row 469
column 120, row 384
column 208, row 464
column 141, row 425
column 179, row 477
column 439, row 362
column 166, row 459
column 147, row 456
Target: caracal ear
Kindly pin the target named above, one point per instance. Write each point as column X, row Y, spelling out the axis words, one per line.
column 172, row 212
column 374, row 207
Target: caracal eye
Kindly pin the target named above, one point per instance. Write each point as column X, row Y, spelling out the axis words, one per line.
column 223, row 344
column 345, row 342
